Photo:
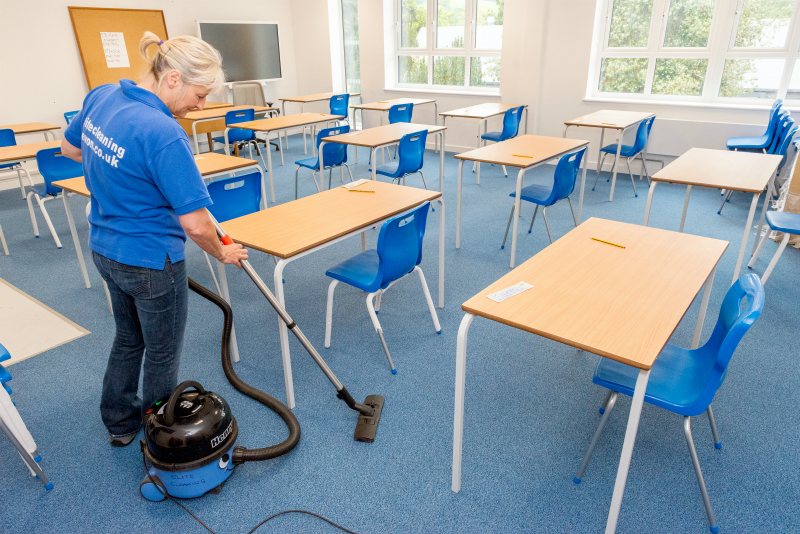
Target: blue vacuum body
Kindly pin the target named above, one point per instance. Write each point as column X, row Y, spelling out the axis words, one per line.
column 187, row 484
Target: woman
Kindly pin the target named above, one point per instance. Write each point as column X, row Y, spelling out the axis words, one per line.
column 147, row 196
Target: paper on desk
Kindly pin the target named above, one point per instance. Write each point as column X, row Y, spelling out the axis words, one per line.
column 509, row 292
column 355, row 184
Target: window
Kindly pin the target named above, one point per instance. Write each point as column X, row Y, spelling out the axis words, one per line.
column 352, row 58
column 448, row 44
column 721, row 51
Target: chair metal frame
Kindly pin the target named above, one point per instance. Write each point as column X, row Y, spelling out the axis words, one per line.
column 643, row 130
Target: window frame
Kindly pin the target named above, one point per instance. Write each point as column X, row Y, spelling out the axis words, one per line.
column 431, row 51
column 720, row 47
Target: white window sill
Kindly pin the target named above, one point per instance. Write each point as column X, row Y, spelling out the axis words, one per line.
column 493, row 94
column 714, row 105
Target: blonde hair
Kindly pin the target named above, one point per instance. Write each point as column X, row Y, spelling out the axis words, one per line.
column 198, row 62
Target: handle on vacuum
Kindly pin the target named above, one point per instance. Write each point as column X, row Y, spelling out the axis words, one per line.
column 169, row 410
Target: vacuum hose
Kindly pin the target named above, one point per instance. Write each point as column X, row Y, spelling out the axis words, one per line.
column 241, row 454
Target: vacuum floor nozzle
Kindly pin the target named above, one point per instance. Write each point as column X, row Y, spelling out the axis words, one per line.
column 367, row 425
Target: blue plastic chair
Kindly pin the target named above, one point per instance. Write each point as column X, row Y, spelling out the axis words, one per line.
column 779, row 221
column 69, row 115
column 511, row 122
column 398, row 113
column 334, row 155
column 784, row 135
column 14, row 427
column 340, row 106
column 53, row 166
column 399, row 253
column 412, row 158
column 7, row 138
column 685, row 381
column 629, row 152
column 563, row 186
column 761, row 141
column 238, row 137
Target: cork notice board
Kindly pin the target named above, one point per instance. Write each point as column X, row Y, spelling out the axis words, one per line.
column 108, row 40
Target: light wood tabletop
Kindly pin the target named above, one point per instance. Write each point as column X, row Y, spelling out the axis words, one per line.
column 287, row 121
column 317, row 97
column 381, row 135
column 23, row 152
column 523, row 151
column 611, row 119
column 724, row 169
column 74, row 185
column 207, row 164
column 30, row 127
column 384, row 105
column 215, row 113
column 481, row 111
column 294, row 227
column 214, row 105
column 620, row 303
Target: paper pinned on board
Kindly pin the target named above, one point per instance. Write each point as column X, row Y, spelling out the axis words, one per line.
column 115, row 50
column 509, row 292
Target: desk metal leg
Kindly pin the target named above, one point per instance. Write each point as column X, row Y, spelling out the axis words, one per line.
column 75, row 240
column 322, row 166
column 526, row 120
column 627, row 449
column 649, row 202
column 517, row 208
column 269, row 167
column 223, row 289
column 764, row 209
column 227, row 147
column 3, row 241
column 616, row 164
column 685, row 206
column 373, row 153
column 746, row 236
column 441, row 161
column 566, row 127
column 458, row 415
column 599, row 153
column 284, row 335
column 436, row 122
column 701, row 316
column 286, row 133
column 583, row 181
column 458, row 203
column 194, row 136
column 475, row 163
column 305, row 148
column 441, row 252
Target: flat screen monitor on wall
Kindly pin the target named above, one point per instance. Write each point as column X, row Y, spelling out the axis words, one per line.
column 250, row 50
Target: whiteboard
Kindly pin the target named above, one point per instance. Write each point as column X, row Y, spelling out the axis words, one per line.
column 250, row 49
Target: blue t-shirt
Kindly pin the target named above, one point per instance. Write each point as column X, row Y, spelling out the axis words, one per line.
column 141, row 173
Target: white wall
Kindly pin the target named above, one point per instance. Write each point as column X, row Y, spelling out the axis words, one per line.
column 42, row 74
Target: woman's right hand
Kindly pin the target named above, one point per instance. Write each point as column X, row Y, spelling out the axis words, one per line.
column 233, row 254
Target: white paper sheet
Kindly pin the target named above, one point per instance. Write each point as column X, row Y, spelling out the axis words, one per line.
column 509, row 292
column 114, row 48
column 351, row 185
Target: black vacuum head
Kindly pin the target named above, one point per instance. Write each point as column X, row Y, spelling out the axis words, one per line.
column 367, row 425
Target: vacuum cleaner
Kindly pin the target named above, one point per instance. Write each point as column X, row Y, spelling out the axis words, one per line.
column 191, row 436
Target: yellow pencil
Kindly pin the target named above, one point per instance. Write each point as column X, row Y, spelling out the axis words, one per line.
column 521, row 156
column 383, row 101
column 608, row 242
column 609, row 123
column 363, row 191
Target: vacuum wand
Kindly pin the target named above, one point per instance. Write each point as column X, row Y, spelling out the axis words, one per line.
column 371, row 409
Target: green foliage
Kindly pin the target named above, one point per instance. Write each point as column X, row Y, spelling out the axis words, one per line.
column 352, row 57
column 491, row 8
column 623, row 75
column 484, row 71
column 760, row 22
column 413, row 17
column 680, row 76
column 689, row 23
column 449, row 70
column 738, row 77
column 413, row 69
column 630, row 23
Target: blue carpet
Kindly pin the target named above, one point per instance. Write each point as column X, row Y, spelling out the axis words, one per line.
column 531, row 407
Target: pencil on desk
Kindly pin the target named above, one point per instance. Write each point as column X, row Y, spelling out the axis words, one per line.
column 521, row 156
column 359, row 191
column 608, row 242
column 608, row 123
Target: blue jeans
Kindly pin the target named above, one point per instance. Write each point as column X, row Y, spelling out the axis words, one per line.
column 150, row 309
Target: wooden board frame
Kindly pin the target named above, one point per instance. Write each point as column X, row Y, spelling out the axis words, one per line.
column 86, row 21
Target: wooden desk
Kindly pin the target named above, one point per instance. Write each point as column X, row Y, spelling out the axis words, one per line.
column 211, row 120
column 611, row 120
column 282, row 124
column 210, row 165
column 384, row 106
column 483, row 112
column 214, row 105
column 749, row 172
column 295, row 229
column 303, row 100
column 538, row 150
column 23, row 153
column 385, row 135
column 623, row 304
column 33, row 127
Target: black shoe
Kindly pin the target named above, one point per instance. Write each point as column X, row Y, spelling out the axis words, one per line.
column 122, row 441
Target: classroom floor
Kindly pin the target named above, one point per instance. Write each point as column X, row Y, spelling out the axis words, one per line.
column 531, row 407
